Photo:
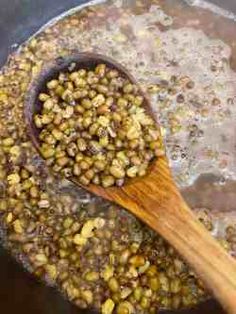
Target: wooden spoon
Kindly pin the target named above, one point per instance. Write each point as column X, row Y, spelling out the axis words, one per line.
column 155, row 198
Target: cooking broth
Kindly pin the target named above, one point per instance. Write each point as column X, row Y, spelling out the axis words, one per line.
column 184, row 57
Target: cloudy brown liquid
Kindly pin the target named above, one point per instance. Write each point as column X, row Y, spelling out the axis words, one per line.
column 157, row 41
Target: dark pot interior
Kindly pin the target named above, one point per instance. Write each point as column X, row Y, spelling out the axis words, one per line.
column 19, row 291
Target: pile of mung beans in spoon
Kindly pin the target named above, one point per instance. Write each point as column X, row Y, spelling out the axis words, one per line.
column 93, row 126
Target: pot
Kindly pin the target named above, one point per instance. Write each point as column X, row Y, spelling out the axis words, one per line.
column 19, row 291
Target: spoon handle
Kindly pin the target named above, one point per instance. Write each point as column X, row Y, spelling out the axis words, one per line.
column 157, row 201
column 214, row 266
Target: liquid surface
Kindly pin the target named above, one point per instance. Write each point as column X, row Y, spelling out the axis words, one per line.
column 184, row 57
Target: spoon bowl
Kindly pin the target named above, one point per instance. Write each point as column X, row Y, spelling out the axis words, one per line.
column 155, row 198
column 68, row 64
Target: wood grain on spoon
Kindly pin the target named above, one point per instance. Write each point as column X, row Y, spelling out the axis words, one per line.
column 154, row 199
